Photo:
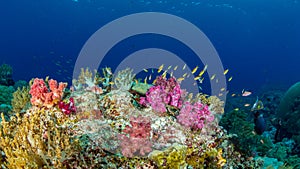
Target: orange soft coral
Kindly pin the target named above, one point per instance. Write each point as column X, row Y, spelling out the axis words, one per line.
column 43, row 96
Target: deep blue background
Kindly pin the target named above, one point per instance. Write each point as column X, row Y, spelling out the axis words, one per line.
column 257, row 40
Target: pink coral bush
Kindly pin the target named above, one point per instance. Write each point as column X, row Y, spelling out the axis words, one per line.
column 43, row 96
column 165, row 92
column 136, row 139
column 195, row 115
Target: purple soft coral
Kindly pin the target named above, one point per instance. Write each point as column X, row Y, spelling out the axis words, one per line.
column 165, row 92
column 195, row 115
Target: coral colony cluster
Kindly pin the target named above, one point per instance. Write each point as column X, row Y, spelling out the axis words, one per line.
column 116, row 121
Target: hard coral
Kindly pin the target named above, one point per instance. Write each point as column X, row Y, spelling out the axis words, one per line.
column 123, row 80
column 40, row 139
column 21, row 100
column 43, row 96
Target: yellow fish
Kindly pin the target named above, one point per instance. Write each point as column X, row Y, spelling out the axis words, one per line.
column 195, row 69
column 169, row 67
column 184, row 67
column 230, row 79
column 150, row 77
column 197, row 78
column 111, row 83
column 145, row 70
column 175, row 68
column 233, row 94
column 220, row 94
column 160, row 68
column 213, row 77
column 164, row 74
column 154, row 81
column 226, row 71
column 136, row 81
column 222, row 89
column 180, row 79
column 201, row 73
column 185, row 75
column 171, row 74
column 236, row 109
column 145, row 80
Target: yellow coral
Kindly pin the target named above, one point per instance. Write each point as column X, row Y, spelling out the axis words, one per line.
column 203, row 98
column 221, row 160
column 173, row 157
column 21, row 100
column 39, row 139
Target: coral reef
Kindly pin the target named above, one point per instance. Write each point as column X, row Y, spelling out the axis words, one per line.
column 6, row 72
column 100, row 123
column 247, row 141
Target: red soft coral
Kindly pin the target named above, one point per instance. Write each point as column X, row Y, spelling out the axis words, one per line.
column 43, row 96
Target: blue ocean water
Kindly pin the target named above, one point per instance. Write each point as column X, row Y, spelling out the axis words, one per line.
column 257, row 40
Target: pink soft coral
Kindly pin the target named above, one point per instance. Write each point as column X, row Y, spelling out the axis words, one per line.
column 195, row 115
column 44, row 97
column 137, row 141
column 165, row 92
